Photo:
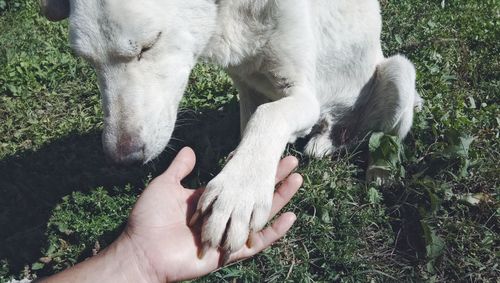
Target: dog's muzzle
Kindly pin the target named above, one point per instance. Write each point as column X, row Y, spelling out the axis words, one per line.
column 128, row 151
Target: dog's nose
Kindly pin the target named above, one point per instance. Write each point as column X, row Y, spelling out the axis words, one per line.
column 129, row 150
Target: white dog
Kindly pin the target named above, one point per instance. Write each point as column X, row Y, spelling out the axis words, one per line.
column 296, row 64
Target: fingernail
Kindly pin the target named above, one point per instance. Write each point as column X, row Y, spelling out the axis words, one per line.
column 194, row 218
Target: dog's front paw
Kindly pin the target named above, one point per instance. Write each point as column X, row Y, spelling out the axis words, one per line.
column 233, row 205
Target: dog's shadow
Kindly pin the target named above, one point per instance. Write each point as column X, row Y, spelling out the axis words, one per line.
column 33, row 183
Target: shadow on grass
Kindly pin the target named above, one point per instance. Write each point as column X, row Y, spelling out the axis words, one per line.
column 33, row 183
column 405, row 220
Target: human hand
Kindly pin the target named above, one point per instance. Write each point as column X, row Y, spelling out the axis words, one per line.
column 158, row 231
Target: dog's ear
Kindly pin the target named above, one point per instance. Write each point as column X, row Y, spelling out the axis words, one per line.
column 55, row 10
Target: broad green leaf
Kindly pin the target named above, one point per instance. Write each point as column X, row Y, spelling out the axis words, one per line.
column 37, row 266
column 375, row 140
column 374, row 196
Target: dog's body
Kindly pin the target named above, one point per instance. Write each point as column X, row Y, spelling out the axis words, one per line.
column 296, row 63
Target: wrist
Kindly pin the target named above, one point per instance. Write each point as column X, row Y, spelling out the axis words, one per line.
column 120, row 262
column 131, row 261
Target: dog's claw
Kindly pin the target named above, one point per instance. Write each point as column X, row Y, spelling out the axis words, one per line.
column 249, row 242
column 226, row 256
column 194, row 218
column 203, row 251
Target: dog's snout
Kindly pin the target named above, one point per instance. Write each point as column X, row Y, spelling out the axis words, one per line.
column 129, row 150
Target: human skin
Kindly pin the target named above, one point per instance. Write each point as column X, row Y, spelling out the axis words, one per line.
column 158, row 245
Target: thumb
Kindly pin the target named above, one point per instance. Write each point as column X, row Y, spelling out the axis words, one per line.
column 182, row 164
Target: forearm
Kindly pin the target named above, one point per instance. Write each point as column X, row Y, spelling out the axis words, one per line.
column 275, row 124
column 117, row 263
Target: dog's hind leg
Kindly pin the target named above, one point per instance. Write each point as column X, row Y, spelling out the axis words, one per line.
column 385, row 104
column 388, row 105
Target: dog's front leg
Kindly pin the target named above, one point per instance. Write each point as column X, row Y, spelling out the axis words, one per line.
column 238, row 200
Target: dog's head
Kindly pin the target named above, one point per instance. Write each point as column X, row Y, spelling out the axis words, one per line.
column 143, row 52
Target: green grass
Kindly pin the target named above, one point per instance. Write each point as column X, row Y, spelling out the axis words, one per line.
column 439, row 221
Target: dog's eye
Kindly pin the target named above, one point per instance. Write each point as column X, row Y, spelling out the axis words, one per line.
column 148, row 46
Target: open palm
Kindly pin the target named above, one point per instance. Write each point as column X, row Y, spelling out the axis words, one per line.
column 158, row 225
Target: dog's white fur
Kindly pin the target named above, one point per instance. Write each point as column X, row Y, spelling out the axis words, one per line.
column 294, row 62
